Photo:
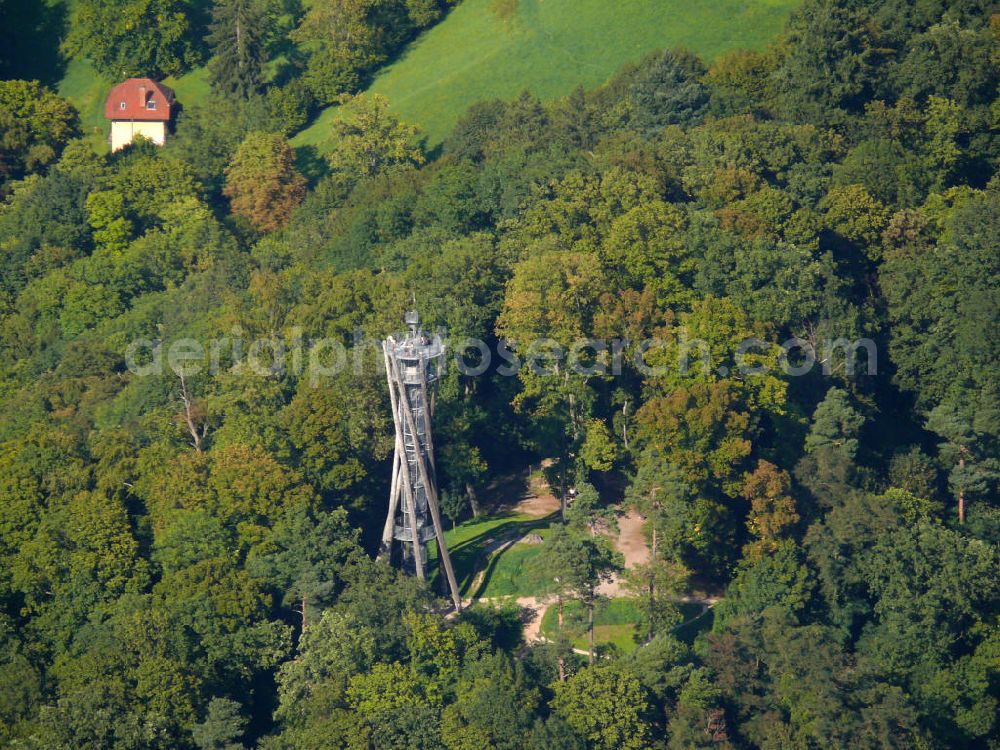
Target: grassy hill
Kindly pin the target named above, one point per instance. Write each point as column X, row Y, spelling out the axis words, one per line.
column 498, row 48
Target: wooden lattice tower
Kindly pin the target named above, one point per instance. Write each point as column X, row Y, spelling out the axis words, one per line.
column 413, row 364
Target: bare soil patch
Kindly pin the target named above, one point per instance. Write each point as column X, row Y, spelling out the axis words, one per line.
column 524, row 491
column 631, row 540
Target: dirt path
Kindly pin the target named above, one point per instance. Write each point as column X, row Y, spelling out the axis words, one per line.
column 523, row 491
column 532, row 610
column 537, row 499
column 631, row 543
column 529, row 494
column 631, row 540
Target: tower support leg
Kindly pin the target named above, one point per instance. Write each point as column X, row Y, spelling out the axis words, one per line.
column 385, row 551
column 432, row 502
column 410, row 505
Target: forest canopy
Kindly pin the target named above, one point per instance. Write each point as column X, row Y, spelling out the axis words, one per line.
column 187, row 553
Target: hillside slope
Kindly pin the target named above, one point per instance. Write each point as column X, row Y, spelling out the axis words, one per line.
column 497, row 48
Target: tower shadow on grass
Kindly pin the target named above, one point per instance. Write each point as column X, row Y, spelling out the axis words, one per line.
column 481, row 553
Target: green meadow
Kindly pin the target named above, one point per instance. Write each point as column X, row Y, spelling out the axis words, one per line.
column 489, row 49
column 489, row 561
column 617, row 623
column 498, row 48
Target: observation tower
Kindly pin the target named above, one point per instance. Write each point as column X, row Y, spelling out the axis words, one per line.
column 414, row 362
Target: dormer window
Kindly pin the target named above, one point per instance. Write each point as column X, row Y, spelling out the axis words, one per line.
column 151, row 104
column 121, row 104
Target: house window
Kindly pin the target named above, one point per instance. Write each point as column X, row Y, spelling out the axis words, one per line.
column 121, row 104
column 151, row 104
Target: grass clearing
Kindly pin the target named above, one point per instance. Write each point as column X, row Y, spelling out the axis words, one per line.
column 488, row 544
column 615, row 623
column 510, row 573
column 87, row 91
column 498, row 48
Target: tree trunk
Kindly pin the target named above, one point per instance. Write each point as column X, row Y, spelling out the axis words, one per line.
column 652, row 587
column 560, row 613
column 590, row 634
column 304, row 601
column 562, row 669
column 625, row 423
column 197, row 435
column 473, row 500
column 652, row 608
column 562, row 485
column 572, row 418
column 961, row 490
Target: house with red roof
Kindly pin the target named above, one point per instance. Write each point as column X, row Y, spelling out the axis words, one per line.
column 139, row 106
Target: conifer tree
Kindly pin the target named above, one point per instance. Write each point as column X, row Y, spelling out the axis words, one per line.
column 236, row 37
column 836, row 424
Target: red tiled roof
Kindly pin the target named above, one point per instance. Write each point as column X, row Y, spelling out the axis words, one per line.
column 139, row 99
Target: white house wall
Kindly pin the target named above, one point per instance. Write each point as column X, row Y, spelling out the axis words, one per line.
column 123, row 132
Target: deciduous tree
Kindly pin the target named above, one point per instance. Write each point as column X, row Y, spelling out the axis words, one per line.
column 606, row 705
column 262, row 182
column 35, row 125
column 549, row 307
column 369, row 139
column 772, row 509
column 136, row 38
